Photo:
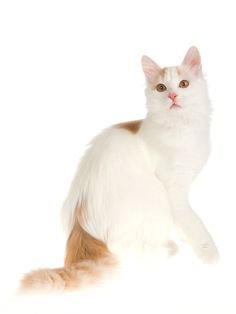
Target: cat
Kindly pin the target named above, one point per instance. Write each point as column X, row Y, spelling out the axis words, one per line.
column 131, row 187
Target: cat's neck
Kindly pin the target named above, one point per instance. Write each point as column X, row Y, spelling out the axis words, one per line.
column 154, row 126
column 186, row 121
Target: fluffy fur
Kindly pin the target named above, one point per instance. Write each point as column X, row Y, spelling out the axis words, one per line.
column 131, row 186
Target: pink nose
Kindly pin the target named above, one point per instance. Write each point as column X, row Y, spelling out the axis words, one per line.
column 172, row 96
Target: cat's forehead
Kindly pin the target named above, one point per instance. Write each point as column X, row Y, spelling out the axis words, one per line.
column 171, row 73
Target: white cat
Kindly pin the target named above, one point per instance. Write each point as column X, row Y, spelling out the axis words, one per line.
column 131, row 187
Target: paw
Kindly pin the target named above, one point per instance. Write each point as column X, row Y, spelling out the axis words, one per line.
column 207, row 252
column 171, row 248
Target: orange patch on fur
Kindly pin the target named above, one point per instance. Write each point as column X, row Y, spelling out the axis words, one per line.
column 85, row 261
column 163, row 72
column 82, row 246
column 68, row 278
column 132, row 126
column 178, row 70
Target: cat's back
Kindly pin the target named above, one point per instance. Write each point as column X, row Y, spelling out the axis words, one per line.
column 115, row 157
column 121, row 140
column 116, row 181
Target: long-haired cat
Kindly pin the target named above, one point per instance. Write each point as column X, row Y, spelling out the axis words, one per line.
column 131, row 187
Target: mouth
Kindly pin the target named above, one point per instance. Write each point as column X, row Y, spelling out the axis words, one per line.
column 175, row 106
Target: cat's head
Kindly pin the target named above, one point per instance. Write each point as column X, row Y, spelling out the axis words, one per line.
column 176, row 93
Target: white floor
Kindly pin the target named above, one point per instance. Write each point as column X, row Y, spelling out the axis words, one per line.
column 179, row 285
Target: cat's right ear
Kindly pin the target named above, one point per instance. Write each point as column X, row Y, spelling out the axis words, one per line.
column 192, row 60
column 150, row 69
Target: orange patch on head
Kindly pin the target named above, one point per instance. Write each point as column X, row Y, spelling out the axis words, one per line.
column 132, row 126
column 163, row 72
column 178, row 70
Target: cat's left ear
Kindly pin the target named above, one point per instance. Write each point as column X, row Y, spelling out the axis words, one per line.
column 192, row 60
column 151, row 70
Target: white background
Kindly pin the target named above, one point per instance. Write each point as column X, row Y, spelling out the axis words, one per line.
column 67, row 70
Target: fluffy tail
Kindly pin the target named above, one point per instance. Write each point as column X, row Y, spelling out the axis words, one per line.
column 67, row 278
column 87, row 260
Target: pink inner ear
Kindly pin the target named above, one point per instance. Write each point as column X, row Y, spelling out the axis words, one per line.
column 150, row 69
column 194, row 62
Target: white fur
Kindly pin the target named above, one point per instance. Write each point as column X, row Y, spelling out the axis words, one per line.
column 136, row 185
column 126, row 204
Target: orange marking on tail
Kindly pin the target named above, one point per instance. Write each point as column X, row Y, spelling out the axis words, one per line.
column 85, row 261
column 82, row 246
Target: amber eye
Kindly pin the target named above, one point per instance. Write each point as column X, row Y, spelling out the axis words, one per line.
column 184, row 84
column 161, row 87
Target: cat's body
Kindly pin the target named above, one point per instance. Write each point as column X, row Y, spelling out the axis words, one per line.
column 122, row 195
column 131, row 187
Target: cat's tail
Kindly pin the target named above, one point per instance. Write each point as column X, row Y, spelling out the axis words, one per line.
column 67, row 278
column 87, row 261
